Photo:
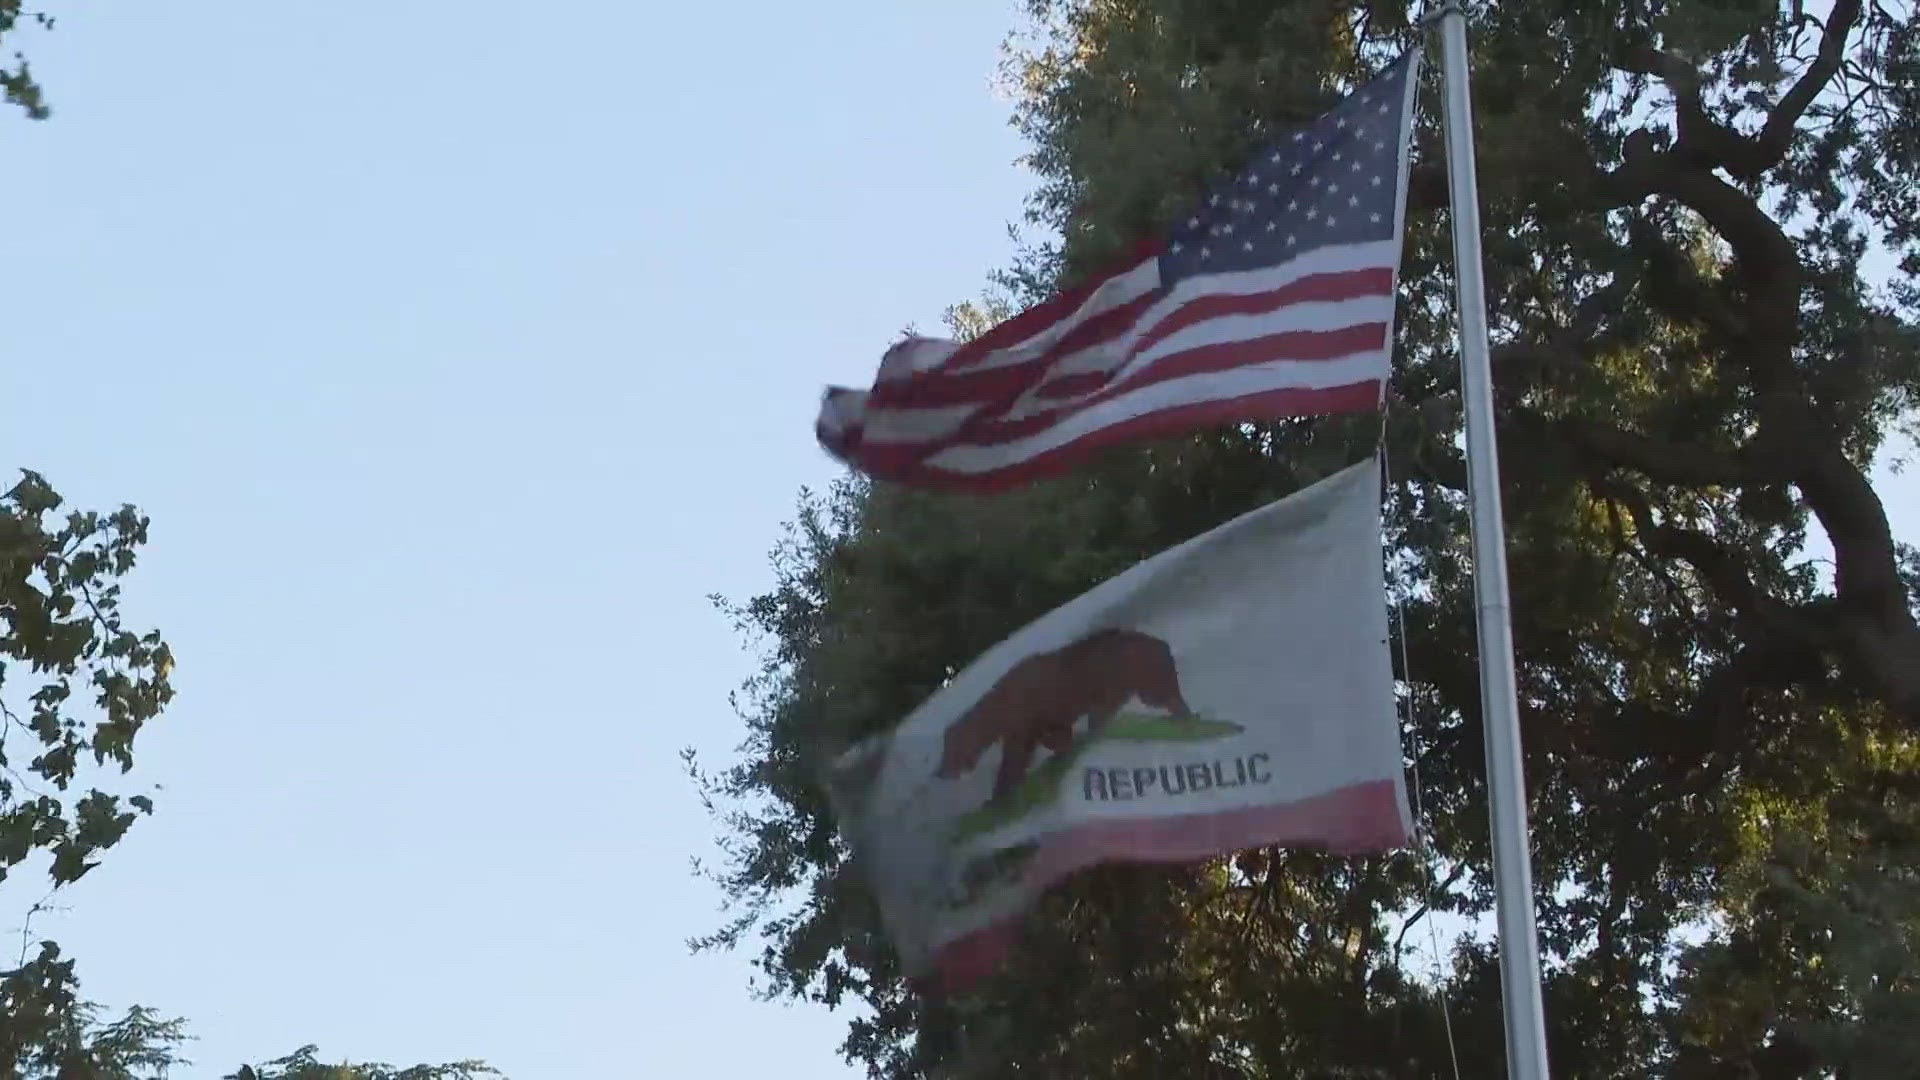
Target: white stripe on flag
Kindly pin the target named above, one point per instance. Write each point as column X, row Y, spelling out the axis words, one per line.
column 1296, row 318
column 842, row 409
column 1102, row 355
column 909, row 427
column 914, row 356
column 1122, row 288
column 1157, row 397
column 1338, row 259
column 1310, row 317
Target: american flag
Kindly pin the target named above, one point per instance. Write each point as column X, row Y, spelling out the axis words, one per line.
column 1273, row 298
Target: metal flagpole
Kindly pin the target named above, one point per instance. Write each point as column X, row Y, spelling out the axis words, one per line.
column 1499, row 708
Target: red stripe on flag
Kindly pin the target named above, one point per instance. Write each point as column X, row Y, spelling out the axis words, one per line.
column 946, row 386
column 1044, row 314
column 1359, row 818
column 1315, row 289
column 1074, row 384
column 1001, row 384
column 909, row 465
column 1004, row 383
column 1307, row 346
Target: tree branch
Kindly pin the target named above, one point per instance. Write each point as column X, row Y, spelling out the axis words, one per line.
column 1659, row 459
column 1774, row 139
column 1426, row 905
column 1701, row 139
column 1724, row 575
column 1871, row 625
column 1706, row 142
column 1882, row 641
column 1767, row 261
column 1882, row 638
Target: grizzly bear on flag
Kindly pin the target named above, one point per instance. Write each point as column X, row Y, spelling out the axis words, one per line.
column 1040, row 699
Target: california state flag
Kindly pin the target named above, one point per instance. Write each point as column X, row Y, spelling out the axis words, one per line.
column 1231, row 692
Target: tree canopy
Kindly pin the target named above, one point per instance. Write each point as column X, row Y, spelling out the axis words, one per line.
column 61, row 752
column 1700, row 239
column 305, row 1064
column 17, row 84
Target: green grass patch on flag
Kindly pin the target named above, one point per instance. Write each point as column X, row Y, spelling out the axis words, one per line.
column 1042, row 785
column 1158, row 727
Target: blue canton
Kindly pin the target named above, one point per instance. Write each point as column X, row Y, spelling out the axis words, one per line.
column 1331, row 181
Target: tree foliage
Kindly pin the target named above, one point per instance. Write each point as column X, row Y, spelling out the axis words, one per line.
column 305, row 1064
column 1701, row 245
column 17, row 85
column 78, row 1045
column 76, row 687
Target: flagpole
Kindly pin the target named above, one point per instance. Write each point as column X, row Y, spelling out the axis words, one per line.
column 1499, row 708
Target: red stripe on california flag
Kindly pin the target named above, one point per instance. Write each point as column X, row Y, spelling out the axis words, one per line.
column 1362, row 817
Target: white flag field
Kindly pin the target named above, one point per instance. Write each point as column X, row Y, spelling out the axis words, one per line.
column 1232, row 692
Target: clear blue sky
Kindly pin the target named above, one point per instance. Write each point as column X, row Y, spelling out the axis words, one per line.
column 457, row 351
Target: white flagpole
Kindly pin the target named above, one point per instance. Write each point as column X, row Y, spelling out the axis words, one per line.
column 1499, row 708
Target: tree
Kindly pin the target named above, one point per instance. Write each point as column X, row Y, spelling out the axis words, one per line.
column 17, row 84
column 1701, row 247
column 141, row 1045
column 61, row 630
column 305, row 1065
